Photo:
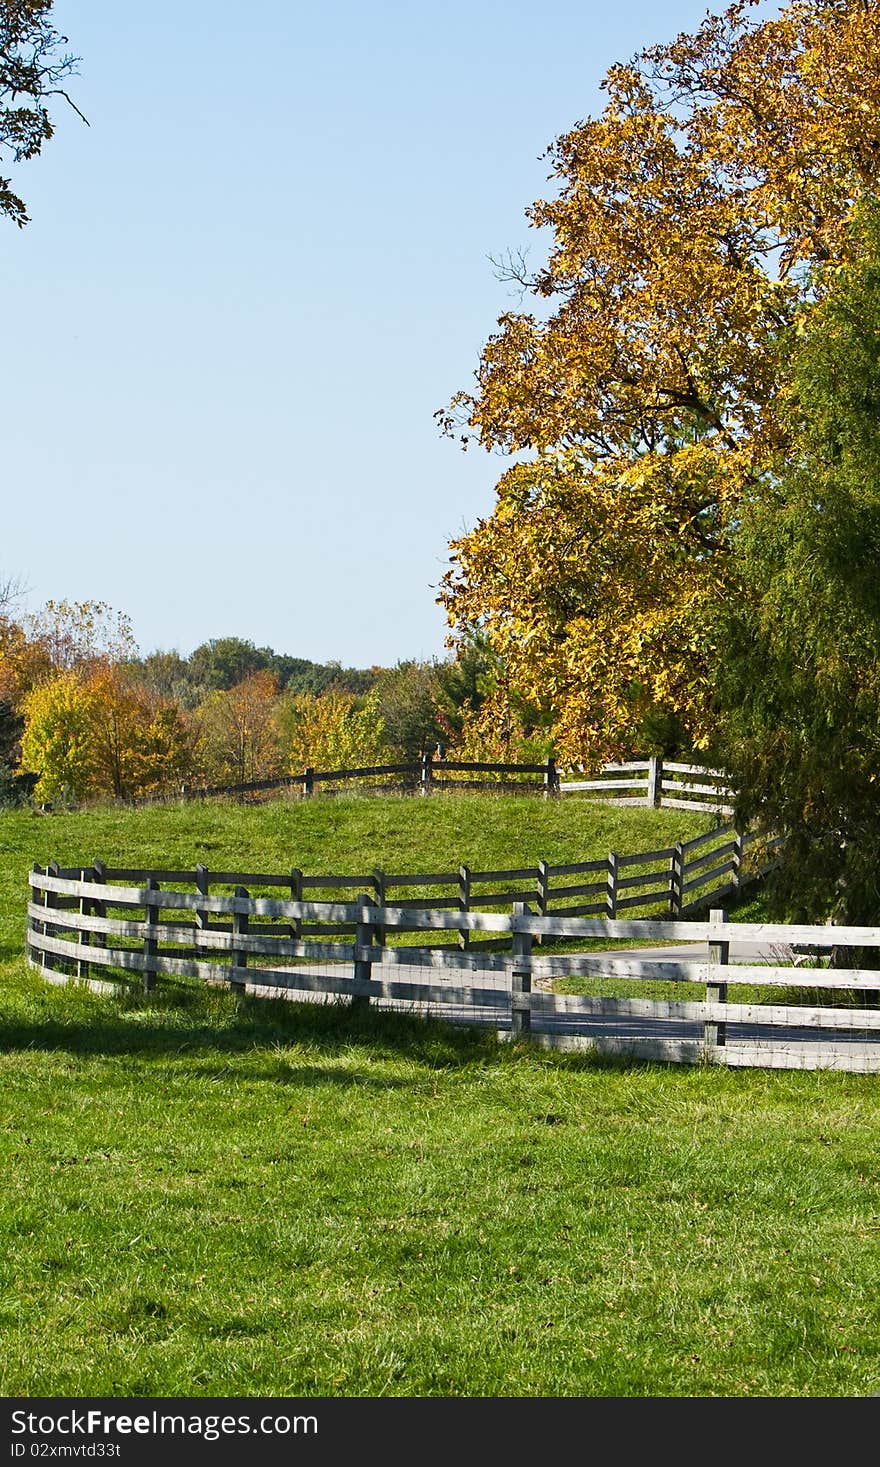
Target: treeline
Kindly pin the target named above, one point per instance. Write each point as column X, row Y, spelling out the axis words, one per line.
column 83, row 716
column 224, row 662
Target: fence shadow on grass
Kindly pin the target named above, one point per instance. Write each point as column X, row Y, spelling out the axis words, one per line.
column 193, row 1026
column 197, row 1024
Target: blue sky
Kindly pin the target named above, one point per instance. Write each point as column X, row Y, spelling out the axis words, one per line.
column 248, row 285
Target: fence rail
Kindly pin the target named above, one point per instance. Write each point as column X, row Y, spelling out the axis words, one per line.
column 423, row 776
column 89, row 921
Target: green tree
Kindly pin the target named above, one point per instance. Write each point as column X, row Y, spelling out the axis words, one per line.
column 415, row 708
column 798, row 684
column 33, row 65
column 223, row 662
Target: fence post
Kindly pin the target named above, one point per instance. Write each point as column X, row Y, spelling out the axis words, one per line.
column 82, row 967
column 50, row 899
column 611, row 888
column 151, row 946
column 543, row 892
column 736, row 875
column 379, row 929
column 426, row 777
column 551, row 780
column 99, row 875
column 43, row 926
column 296, row 895
column 30, row 924
column 464, row 902
column 676, row 880
column 716, row 992
column 308, row 782
column 521, row 977
column 655, row 778
column 239, row 955
column 201, row 912
column 363, row 967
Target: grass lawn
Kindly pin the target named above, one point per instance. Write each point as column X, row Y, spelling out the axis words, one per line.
column 207, row 1196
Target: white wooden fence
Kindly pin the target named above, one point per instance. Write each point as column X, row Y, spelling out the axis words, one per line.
column 655, row 781
column 82, row 923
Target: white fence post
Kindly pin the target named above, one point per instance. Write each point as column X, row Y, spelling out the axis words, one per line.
column 655, row 776
column 716, row 992
column 521, row 978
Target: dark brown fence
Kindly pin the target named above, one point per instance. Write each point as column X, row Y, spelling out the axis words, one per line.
column 654, row 782
column 424, row 777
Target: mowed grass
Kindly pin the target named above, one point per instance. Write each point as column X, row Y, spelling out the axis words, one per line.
column 210, row 1196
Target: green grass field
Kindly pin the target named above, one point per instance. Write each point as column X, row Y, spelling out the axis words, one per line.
column 205, row 1196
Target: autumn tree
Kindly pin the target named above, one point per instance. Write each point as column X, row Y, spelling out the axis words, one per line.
column 81, row 633
column 61, row 636
column 24, row 661
column 644, row 389
column 333, row 730
column 238, row 738
column 34, row 64
column 92, row 732
column 140, row 744
column 167, row 750
column 56, row 744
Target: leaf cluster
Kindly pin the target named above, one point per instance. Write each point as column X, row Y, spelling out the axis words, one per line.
column 33, row 66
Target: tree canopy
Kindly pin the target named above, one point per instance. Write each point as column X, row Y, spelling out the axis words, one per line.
column 692, row 220
column 797, row 692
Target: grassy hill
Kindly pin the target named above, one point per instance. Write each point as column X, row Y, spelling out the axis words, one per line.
column 206, row 1196
column 346, row 833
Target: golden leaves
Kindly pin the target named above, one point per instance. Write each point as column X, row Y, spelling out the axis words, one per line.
column 693, row 220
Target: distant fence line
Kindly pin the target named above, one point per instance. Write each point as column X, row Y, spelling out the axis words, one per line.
column 655, row 782
column 257, row 944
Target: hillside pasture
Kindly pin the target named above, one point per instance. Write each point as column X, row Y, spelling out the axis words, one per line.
column 207, row 1195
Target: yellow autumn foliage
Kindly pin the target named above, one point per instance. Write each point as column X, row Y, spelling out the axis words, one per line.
column 694, row 221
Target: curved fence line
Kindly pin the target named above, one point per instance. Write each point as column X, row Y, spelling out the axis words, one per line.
column 92, row 921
